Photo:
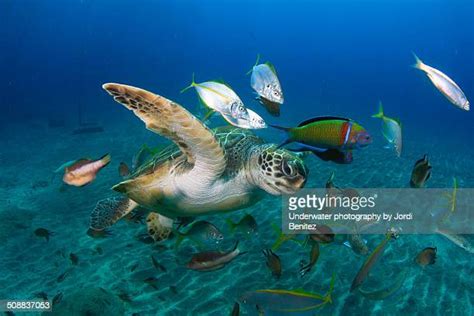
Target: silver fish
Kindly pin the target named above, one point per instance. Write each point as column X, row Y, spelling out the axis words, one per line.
column 265, row 82
column 444, row 84
column 391, row 130
column 255, row 121
column 221, row 98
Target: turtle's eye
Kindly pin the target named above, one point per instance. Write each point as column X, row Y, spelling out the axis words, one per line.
column 288, row 168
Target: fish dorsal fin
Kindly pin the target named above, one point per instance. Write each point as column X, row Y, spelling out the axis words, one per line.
column 78, row 163
column 272, row 68
column 322, row 118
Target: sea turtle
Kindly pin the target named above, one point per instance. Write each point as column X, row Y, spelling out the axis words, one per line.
column 205, row 171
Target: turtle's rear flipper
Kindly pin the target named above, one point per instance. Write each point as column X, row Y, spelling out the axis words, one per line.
column 108, row 211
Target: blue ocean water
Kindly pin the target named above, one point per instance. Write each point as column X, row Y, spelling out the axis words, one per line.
column 332, row 57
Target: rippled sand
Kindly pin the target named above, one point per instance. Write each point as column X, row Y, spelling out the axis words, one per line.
column 32, row 198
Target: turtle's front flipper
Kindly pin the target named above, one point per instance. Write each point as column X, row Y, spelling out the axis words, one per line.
column 108, row 211
column 167, row 118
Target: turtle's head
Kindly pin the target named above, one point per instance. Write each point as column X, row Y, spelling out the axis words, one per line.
column 277, row 170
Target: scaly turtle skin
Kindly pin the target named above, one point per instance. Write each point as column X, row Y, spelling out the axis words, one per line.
column 204, row 172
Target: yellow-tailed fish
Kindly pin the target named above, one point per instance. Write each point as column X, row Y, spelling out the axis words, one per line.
column 264, row 81
column 388, row 291
column 277, row 300
column 282, row 238
column 444, row 84
column 221, row 98
column 421, row 172
column 328, row 133
column 83, row 171
column 391, row 130
column 452, row 202
column 273, row 262
column 247, row 225
column 370, row 261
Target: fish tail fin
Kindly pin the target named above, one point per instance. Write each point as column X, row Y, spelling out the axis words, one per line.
column 231, row 224
column 236, row 245
column 379, row 114
column 418, row 63
column 179, row 238
column 208, row 115
column 280, row 240
column 327, row 297
column 105, row 159
column 256, row 63
column 193, row 84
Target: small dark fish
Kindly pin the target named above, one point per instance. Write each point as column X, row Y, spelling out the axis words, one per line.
column 247, row 225
column 313, row 259
column 151, row 281
column 125, row 297
column 235, row 310
column 57, row 298
column 173, row 289
column 421, row 173
column 99, row 250
column 332, row 154
column 44, row 233
column 132, row 268
column 42, row 295
column 273, row 262
column 157, row 265
column 426, row 257
column 124, row 170
column 63, row 276
column 74, row 259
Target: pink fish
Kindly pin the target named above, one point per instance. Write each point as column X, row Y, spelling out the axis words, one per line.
column 83, row 171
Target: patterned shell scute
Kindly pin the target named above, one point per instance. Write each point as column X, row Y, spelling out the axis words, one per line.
column 235, row 141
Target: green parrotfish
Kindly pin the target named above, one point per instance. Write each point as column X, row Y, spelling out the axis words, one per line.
column 328, row 137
